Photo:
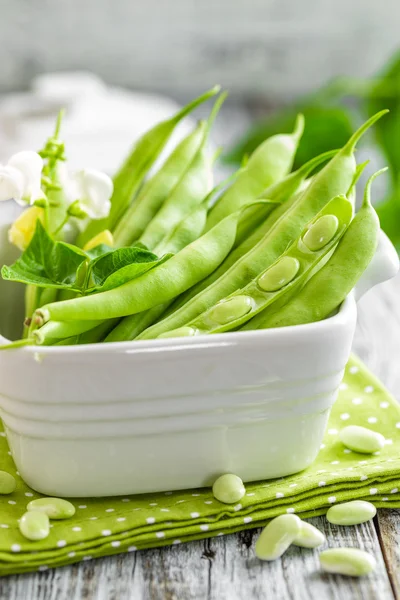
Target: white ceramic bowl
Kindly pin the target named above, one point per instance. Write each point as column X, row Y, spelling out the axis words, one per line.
column 128, row 418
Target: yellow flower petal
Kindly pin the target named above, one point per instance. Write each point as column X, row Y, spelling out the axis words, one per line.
column 104, row 237
column 22, row 230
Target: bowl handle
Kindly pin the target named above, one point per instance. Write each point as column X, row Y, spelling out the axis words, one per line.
column 383, row 266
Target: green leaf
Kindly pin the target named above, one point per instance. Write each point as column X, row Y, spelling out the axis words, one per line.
column 120, row 266
column 50, row 264
column 327, row 128
column 47, row 263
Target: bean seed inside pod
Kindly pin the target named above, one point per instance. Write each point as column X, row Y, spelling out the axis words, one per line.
column 347, row 561
column 279, row 275
column 180, row 332
column 231, row 309
column 321, row 232
column 361, row 439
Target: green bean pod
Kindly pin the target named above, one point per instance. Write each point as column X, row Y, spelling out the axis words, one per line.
column 191, row 189
column 56, row 330
column 186, row 232
column 131, row 326
column 153, row 193
column 334, row 179
column 164, row 282
column 98, row 333
column 328, row 288
column 282, row 278
column 95, row 335
column 143, row 155
column 259, row 220
column 271, row 161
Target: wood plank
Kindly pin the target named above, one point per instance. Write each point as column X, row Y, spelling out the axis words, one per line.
column 223, row 568
column 388, row 530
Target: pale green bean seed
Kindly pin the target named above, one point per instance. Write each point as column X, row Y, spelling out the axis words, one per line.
column 7, row 483
column 231, row 309
column 54, row 508
column 279, row 275
column 34, row 525
column 321, row 232
column 351, row 513
column 228, row 488
column 361, row 439
column 347, row 561
column 277, row 536
column 309, row 536
column 180, row 332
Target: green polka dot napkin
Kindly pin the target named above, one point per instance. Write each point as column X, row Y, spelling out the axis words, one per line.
column 111, row 525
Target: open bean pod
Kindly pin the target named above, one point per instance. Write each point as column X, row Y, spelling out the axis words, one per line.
column 325, row 290
column 282, row 278
column 260, row 219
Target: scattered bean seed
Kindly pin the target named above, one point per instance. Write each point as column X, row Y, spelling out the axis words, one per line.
column 34, row 525
column 7, row 483
column 277, row 536
column 361, row 439
column 309, row 536
column 351, row 513
column 228, row 488
column 54, row 508
column 347, row 561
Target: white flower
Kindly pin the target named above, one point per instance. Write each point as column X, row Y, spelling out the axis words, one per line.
column 93, row 190
column 20, row 179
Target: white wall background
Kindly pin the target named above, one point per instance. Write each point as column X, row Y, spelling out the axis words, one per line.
column 273, row 47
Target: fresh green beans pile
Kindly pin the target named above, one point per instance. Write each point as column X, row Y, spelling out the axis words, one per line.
column 266, row 248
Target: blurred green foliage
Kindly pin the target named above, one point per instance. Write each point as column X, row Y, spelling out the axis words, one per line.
column 331, row 114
